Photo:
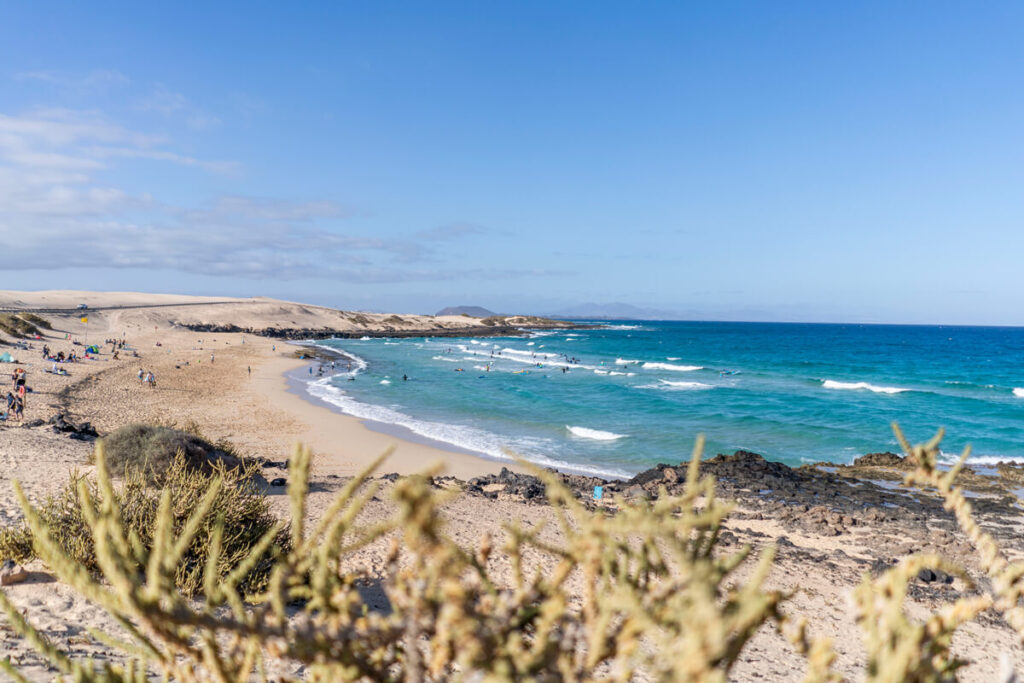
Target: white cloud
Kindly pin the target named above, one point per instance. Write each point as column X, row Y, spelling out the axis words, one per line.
column 58, row 212
column 96, row 80
column 171, row 104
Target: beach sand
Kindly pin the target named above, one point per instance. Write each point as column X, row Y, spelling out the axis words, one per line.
column 262, row 418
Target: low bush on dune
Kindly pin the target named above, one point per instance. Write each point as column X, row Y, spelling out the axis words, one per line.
column 654, row 596
column 17, row 326
column 36, row 320
column 150, row 450
column 223, row 510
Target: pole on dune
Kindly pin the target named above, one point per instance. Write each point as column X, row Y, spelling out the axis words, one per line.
column 85, row 319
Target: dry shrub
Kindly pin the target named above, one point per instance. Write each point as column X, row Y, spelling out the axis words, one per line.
column 36, row 320
column 658, row 599
column 16, row 325
column 652, row 580
column 150, row 450
column 241, row 516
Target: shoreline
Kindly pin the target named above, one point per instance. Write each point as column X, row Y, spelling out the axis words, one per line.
column 829, row 524
column 343, row 444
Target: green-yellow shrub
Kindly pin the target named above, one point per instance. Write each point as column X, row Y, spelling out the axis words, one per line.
column 241, row 514
column 656, row 595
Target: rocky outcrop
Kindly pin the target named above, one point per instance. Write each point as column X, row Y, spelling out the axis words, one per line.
column 886, row 459
column 386, row 332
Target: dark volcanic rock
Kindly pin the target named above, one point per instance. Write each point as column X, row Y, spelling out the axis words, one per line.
column 328, row 333
column 886, row 459
column 82, row 432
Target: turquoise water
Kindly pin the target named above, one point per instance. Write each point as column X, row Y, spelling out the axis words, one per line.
column 639, row 393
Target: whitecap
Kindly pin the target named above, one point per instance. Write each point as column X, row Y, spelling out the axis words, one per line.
column 385, row 381
column 832, row 384
column 447, row 359
column 672, row 358
column 666, row 385
column 1018, row 392
column 674, row 368
column 597, row 434
column 462, row 436
column 627, row 361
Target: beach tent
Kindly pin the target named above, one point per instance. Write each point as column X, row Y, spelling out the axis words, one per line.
column 6, row 358
column 92, row 349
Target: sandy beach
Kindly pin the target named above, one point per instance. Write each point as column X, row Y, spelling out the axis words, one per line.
column 233, row 386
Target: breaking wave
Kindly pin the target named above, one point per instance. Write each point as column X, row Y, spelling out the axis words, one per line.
column 596, row 434
column 833, row 384
column 674, row 368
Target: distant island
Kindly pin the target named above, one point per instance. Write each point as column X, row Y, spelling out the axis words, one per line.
column 472, row 311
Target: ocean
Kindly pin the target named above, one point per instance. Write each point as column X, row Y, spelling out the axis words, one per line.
column 616, row 399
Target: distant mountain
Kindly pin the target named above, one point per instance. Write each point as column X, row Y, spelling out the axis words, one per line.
column 474, row 311
column 616, row 311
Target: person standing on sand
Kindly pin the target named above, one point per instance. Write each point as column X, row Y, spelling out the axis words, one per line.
column 248, row 369
column 211, row 358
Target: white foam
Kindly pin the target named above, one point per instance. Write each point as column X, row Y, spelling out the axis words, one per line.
column 615, row 372
column 673, row 368
column 530, row 343
column 832, row 384
column 365, row 338
column 358, row 363
column 685, row 385
column 461, row 436
column 482, row 368
column 627, row 361
column 600, row 372
column 448, row 359
column 520, row 352
column 673, row 358
column 1018, row 392
column 666, row 385
column 596, row 434
column 519, row 356
column 385, row 381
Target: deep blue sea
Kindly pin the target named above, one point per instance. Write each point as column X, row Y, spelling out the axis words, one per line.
column 617, row 399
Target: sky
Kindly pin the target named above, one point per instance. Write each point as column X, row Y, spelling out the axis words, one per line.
column 858, row 162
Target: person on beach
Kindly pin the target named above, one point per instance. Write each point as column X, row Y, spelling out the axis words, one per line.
column 248, row 369
column 211, row 357
column 19, row 409
column 141, row 375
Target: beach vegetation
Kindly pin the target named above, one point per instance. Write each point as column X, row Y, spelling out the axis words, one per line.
column 151, row 450
column 16, row 325
column 37, row 320
column 644, row 591
column 222, row 509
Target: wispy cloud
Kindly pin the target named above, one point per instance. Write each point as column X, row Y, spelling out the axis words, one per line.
column 449, row 231
column 171, row 104
column 59, row 211
column 94, row 81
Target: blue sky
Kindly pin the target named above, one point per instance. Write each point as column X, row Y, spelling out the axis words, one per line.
column 769, row 161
